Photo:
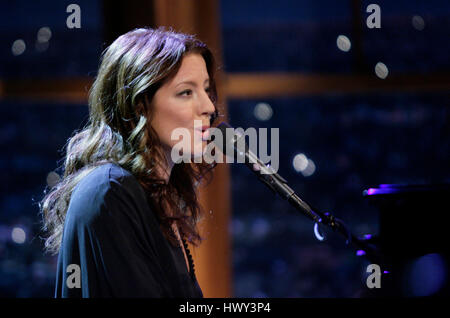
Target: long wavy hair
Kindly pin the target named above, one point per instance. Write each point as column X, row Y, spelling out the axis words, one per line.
column 118, row 131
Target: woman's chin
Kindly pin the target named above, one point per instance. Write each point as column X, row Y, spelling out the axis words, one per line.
column 197, row 155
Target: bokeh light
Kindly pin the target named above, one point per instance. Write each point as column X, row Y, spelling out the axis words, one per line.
column 44, row 34
column 310, row 169
column 263, row 111
column 300, row 162
column 18, row 235
column 343, row 43
column 18, row 47
column 52, row 179
column 304, row 165
column 418, row 22
column 381, row 70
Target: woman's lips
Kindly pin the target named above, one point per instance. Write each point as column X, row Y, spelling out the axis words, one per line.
column 204, row 134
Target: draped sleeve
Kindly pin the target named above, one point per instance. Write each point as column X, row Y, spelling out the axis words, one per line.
column 113, row 237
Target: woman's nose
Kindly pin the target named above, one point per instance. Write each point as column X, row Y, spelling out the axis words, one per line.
column 206, row 106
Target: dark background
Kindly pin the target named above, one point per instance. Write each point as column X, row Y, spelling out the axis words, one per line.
column 356, row 140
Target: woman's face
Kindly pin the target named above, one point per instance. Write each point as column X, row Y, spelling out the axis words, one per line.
column 181, row 100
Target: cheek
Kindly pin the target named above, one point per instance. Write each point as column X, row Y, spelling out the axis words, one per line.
column 170, row 116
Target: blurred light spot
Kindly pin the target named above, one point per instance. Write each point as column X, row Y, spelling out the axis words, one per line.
column 237, row 227
column 427, row 275
column 343, row 43
column 263, row 111
column 44, row 34
column 52, row 179
column 360, row 253
column 300, row 162
column 18, row 47
column 41, row 46
column 418, row 22
column 260, row 228
column 381, row 70
column 18, row 235
column 310, row 168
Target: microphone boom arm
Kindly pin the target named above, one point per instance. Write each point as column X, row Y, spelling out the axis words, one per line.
column 279, row 186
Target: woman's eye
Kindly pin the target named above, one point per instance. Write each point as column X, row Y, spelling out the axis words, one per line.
column 186, row 92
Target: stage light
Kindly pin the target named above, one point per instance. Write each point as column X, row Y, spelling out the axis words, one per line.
column 381, row 70
column 263, row 111
column 343, row 43
column 18, row 47
column 18, row 235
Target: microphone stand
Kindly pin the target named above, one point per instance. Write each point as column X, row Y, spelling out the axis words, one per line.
column 279, row 186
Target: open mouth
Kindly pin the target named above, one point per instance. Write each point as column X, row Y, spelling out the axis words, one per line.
column 205, row 134
column 204, row 131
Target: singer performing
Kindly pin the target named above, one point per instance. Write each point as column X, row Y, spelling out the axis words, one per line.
column 124, row 212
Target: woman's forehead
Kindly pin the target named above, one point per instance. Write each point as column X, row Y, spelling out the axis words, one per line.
column 192, row 69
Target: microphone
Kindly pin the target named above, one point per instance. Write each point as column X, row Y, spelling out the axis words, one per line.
column 235, row 144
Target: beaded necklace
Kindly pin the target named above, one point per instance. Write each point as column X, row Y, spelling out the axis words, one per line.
column 189, row 256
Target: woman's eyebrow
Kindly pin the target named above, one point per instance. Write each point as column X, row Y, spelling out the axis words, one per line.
column 191, row 82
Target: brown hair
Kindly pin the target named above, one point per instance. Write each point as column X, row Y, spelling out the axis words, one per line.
column 132, row 68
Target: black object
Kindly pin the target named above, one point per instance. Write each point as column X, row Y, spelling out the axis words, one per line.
column 414, row 221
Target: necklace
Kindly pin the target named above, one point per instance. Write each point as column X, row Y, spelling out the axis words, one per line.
column 189, row 256
column 187, row 251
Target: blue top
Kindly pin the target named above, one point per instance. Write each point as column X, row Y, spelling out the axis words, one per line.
column 116, row 245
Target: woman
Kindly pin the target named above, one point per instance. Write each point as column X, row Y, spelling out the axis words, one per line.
column 121, row 217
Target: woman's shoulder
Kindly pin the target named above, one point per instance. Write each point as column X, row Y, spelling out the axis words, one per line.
column 106, row 175
column 105, row 186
